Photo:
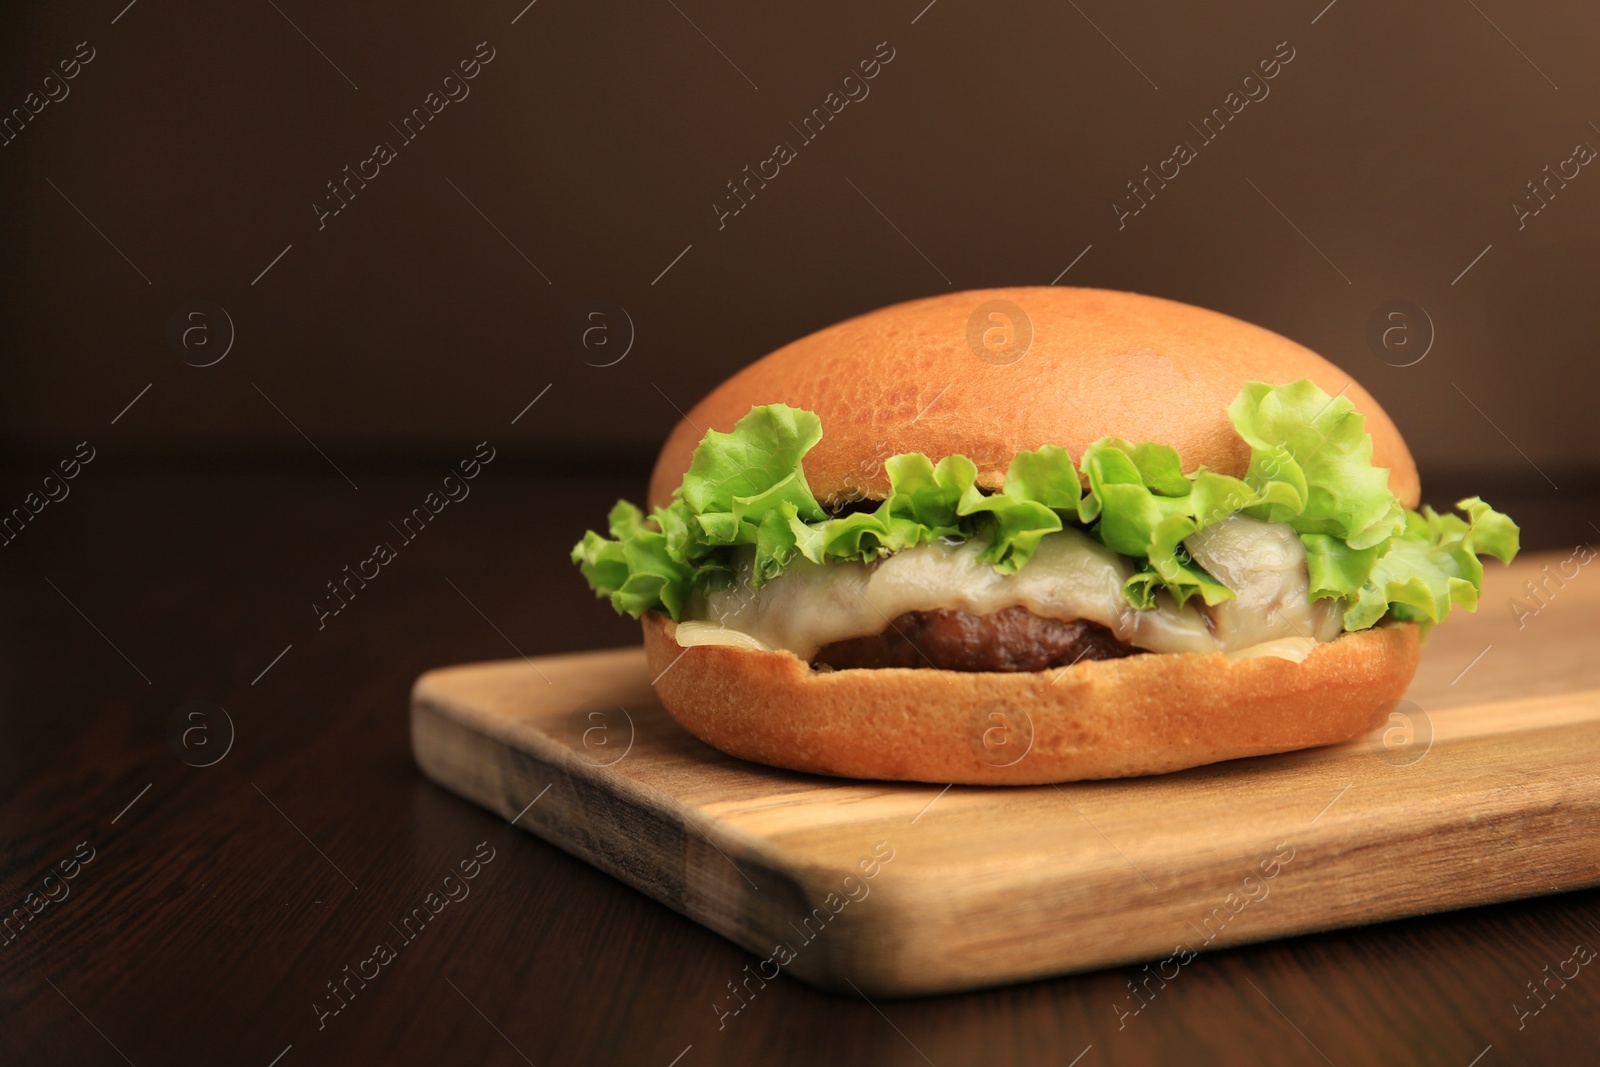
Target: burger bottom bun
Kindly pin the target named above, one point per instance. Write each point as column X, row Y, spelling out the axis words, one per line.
column 1145, row 714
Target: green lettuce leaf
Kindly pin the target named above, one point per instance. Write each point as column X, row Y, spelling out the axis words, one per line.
column 1432, row 565
column 636, row 570
column 1310, row 466
column 1318, row 448
column 930, row 500
column 1040, row 487
column 742, row 485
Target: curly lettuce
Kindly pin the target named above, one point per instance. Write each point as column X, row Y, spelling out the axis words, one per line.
column 1310, row 466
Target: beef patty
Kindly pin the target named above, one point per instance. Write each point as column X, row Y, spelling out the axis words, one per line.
column 1013, row 639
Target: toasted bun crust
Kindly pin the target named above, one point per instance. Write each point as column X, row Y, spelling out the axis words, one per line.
column 1096, row 719
column 1100, row 363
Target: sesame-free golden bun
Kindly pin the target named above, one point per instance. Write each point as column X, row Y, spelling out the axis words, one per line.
column 1112, row 718
column 1100, row 364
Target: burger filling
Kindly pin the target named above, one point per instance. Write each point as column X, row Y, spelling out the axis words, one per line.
column 941, row 605
column 1012, row 639
column 1121, row 553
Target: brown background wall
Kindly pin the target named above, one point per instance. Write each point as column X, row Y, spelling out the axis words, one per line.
column 599, row 136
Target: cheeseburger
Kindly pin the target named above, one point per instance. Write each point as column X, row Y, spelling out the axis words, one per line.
column 1035, row 535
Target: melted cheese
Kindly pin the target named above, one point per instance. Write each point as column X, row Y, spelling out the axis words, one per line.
column 1071, row 576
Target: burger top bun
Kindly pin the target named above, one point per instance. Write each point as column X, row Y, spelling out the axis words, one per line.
column 992, row 372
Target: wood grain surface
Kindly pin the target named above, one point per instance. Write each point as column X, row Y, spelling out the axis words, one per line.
column 215, row 913
column 973, row 886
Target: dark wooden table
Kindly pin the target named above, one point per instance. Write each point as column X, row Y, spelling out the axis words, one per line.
column 222, row 900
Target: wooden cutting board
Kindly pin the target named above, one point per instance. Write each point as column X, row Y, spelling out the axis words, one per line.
column 1486, row 787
